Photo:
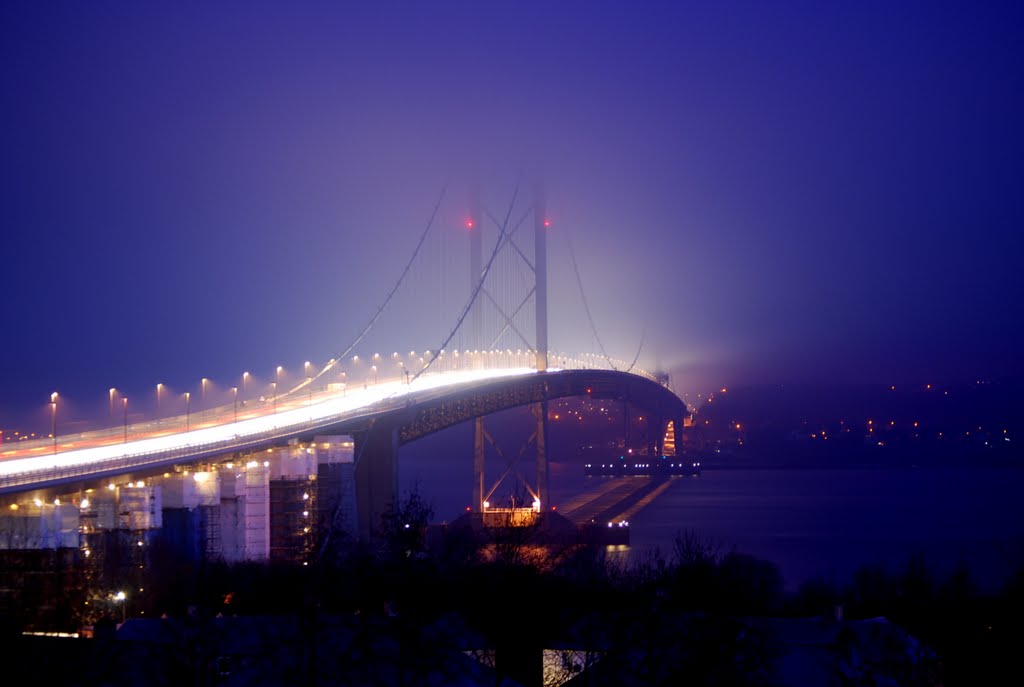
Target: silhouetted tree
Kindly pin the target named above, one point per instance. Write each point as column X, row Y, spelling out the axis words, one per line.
column 404, row 526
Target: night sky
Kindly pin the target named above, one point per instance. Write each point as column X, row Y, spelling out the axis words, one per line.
column 773, row 192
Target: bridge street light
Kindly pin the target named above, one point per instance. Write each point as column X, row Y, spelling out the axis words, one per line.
column 112, row 392
column 159, row 388
column 234, row 390
column 53, row 420
column 273, row 386
column 188, row 408
column 202, row 389
column 245, row 378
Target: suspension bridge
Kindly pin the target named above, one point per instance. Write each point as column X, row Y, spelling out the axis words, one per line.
column 493, row 354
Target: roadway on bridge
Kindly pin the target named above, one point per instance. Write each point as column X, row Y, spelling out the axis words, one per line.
column 218, row 429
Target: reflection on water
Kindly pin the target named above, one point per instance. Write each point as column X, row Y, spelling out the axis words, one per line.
column 811, row 523
column 829, row 523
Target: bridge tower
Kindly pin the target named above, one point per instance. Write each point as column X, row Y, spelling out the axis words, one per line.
column 475, row 226
column 539, row 293
column 540, row 271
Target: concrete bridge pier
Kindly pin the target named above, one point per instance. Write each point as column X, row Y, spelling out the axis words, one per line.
column 540, row 412
column 376, row 476
column 478, row 464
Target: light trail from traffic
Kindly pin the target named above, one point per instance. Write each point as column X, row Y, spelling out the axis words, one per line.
column 292, row 416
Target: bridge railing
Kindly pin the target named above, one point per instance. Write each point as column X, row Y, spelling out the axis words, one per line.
column 135, row 461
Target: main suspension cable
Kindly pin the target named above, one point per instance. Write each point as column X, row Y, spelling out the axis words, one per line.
column 380, row 310
column 476, row 290
column 586, row 305
column 643, row 337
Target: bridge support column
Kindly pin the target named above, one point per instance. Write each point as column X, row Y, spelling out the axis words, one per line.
column 540, row 411
column 540, row 260
column 478, row 465
column 376, row 476
column 627, row 427
column 476, row 268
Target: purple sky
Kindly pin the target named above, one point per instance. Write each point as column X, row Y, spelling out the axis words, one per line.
column 815, row 192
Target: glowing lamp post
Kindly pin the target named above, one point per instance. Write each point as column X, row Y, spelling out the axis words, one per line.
column 53, row 420
column 273, row 387
column 234, row 390
column 120, row 598
column 188, row 409
column 124, row 402
column 202, row 389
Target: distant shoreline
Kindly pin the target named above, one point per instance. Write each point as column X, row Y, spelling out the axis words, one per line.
column 855, row 466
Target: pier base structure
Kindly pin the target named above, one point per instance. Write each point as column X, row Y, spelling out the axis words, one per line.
column 493, row 515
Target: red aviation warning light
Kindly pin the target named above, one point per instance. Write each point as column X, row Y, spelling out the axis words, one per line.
column 470, row 223
column 547, row 223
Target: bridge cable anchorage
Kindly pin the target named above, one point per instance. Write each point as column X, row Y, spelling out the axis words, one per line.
column 476, row 291
column 586, row 305
column 387, row 300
